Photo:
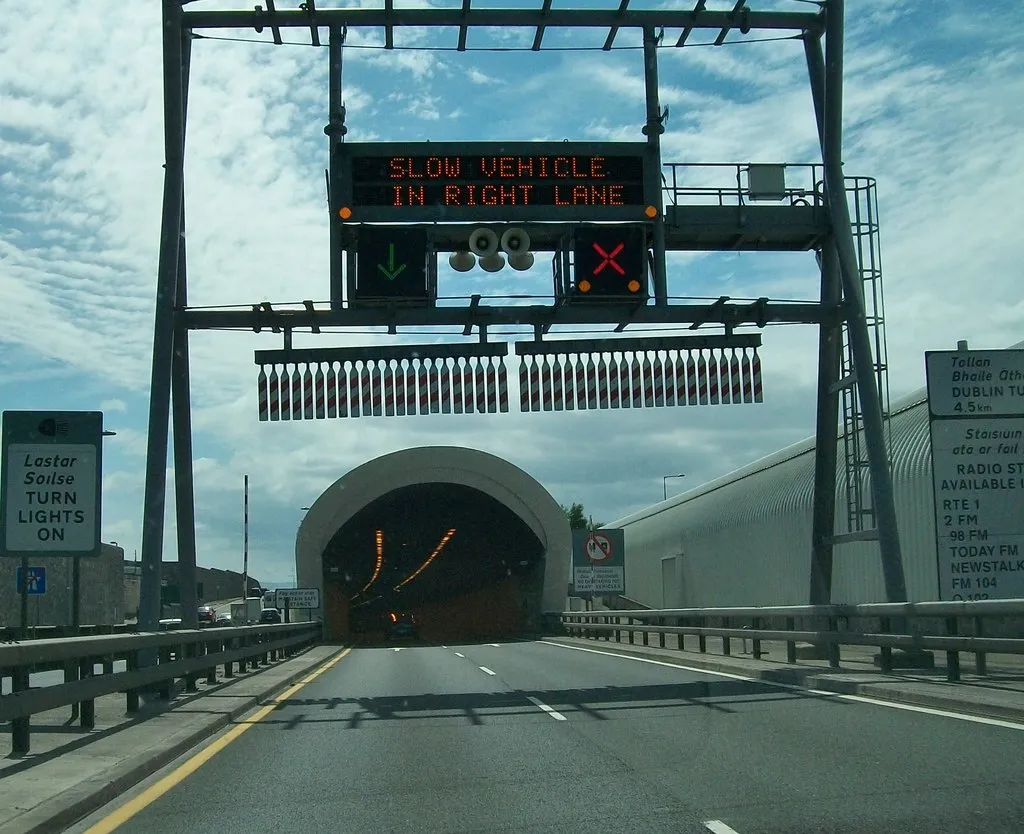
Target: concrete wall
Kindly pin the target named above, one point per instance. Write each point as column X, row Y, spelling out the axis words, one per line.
column 102, row 590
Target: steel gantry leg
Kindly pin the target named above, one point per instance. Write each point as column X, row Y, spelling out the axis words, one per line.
column 860, row 341
column 653, row 129
column 829, row 357
column 181, row 407
column 163, row 324
column 335, row 131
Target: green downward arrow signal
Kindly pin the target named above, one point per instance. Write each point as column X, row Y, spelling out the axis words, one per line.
column 391, row 272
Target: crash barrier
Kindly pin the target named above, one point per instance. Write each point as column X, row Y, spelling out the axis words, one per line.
column 153, row 662
column 913, row 628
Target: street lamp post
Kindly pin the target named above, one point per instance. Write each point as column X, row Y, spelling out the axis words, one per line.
column 664, row 485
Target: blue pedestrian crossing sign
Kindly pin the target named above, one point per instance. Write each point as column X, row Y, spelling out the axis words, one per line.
column 36, row 581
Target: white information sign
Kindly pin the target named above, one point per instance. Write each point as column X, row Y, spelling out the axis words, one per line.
column 978, row 470
column 298, row 598
column 599, row 579
column 51, row 497
column 985, row 382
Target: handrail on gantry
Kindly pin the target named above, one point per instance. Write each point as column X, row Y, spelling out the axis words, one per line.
column 541, row 18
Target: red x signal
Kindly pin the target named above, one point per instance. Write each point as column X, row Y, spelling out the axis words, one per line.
column 609, row 259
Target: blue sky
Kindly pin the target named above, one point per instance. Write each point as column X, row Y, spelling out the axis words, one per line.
column 932, row 112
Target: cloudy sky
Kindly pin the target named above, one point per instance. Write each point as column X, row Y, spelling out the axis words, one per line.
column 932, row 111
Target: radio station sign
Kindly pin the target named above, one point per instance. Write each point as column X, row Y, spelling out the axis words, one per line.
column 598, row 562
column 487, row 180
column 978, row 472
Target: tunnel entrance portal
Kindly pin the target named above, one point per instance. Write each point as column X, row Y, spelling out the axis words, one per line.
column 460, row 543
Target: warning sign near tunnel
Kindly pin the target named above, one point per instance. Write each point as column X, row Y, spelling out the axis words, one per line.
column 50, row 484
column 598, row 562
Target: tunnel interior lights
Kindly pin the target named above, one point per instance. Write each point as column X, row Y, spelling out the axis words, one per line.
column 379, row 539
column 440, row 546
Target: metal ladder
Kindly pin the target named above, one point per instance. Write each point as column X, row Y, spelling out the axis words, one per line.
column 860, row 511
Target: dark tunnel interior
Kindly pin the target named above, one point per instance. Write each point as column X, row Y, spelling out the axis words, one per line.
column 448, row 559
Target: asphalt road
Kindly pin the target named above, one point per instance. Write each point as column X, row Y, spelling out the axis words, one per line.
column 539, row 738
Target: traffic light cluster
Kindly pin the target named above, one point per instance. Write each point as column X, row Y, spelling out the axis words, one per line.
column 609, row 262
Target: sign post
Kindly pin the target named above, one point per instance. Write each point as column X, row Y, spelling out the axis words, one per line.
column 976, row 408
column 50, row 487
column 598, row 562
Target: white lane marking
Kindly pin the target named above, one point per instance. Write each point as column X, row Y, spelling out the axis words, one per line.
column 444, row 647
column 719, row 827
column 459, row 654
column 496, row 645
column 485, row 669
column 553, row 713
column 397, row 650
column 863, row 699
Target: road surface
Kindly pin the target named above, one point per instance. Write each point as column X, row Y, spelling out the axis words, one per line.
column 535, row 737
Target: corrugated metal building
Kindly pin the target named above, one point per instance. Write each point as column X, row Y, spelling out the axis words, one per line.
column 745, row 539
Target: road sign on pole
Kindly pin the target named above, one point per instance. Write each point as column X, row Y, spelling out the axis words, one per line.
column 36, row 583
column 598, row 562
column 976, row 405
column 298, row 598
column 50, row 484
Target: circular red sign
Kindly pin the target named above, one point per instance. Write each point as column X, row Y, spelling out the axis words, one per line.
column 599, row 547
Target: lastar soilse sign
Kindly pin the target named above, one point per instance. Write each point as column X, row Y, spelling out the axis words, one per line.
column 50, row 483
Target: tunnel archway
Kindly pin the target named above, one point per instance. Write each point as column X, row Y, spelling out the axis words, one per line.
column 466, row 543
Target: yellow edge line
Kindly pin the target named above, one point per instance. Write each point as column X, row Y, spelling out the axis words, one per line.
column 186, row 769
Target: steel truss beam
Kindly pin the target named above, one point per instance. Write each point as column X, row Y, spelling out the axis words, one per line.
column 540, row 18
column 731, row 315
column 173, row 319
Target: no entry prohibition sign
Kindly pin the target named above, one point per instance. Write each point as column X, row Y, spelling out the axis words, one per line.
column 599, row 547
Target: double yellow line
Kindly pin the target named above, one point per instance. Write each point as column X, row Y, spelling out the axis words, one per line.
column 186, row 769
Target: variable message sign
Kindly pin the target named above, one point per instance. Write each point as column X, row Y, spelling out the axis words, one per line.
column 610, row 261
column 466, row 181
column 391, row 263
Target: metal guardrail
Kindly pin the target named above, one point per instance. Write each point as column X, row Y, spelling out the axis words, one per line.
column 760, row 623
column 726, row 184
column 178, row 653
column 16, row 633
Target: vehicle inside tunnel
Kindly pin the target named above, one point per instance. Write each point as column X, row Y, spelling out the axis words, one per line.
column 432, row 562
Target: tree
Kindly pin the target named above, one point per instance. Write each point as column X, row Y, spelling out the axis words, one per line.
column 578, row 519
